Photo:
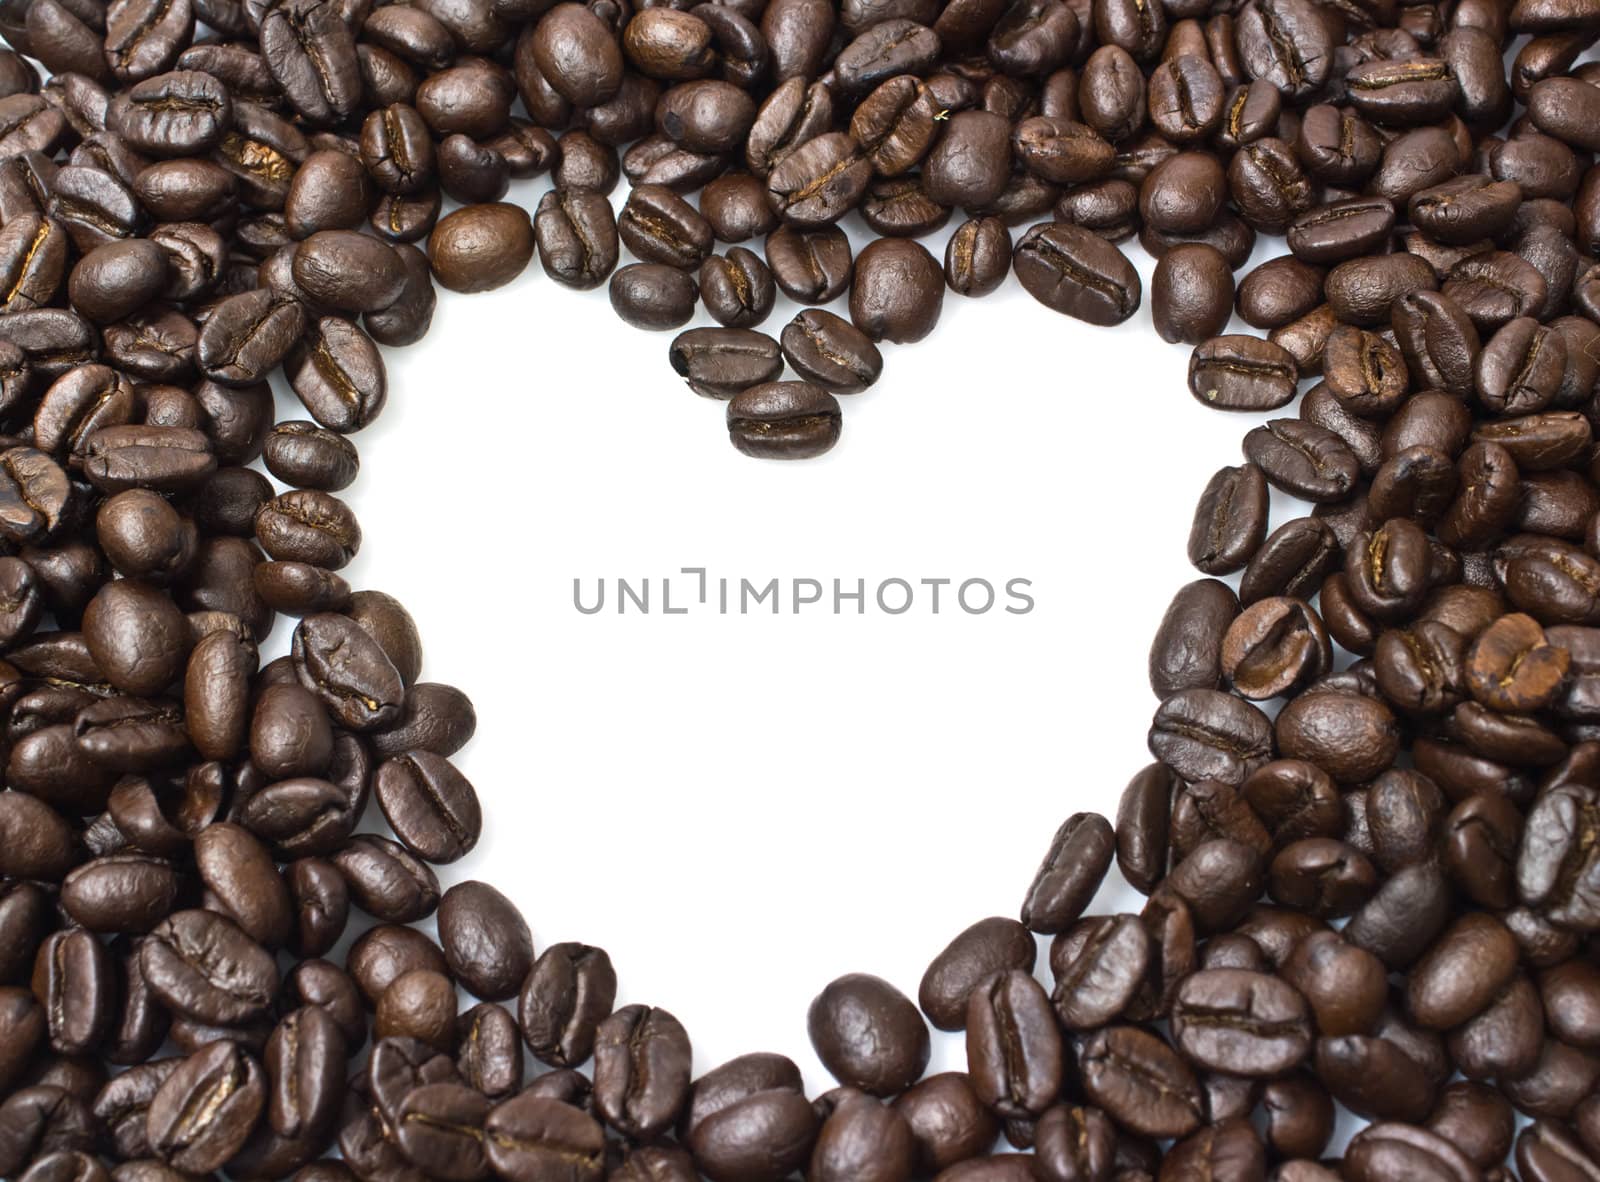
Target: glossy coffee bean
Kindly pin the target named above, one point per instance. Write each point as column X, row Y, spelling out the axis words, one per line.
column 784, row 420
column 869, row 1035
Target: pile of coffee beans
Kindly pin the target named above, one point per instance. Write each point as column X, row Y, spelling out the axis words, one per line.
column 1370, row 842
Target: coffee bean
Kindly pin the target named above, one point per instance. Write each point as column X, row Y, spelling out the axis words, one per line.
column 653, row 295
column 1191, row 293
column 1187, row 652
column 1014, row 1048
column 527, row 1137
column 898, row 291
column 1074, row 271
column 784, row 420
column 485, row 939
column 576, row 234
column 868, row 1035
column 1242, row 373
column 987, row 947
column 721, row 363
column 430, row 805
column 810, row 266
column 386, row 881
column 231, row 1091
column 641, row 1070
column 830, row 352
column 862, row 1139
column 1140, row 1082
column 569, row 991
column 1079, row 855
column 737, row 288
column 481, row 247
column 1206, row 734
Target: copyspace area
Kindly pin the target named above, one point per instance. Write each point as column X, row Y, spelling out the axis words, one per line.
column 740, row 807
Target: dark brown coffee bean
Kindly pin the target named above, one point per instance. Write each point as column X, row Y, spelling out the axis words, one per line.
column 1208, row 735
column 430, row 805
column 868, row 1035
column 1071, row 873
column 719, row 363
column 565, row 997
column 1076, row 272
column 1140, row 1082
column 784, row 420
column 1099, row 963
column 641, row 1070
column 810, row 266
column 830, row 352
column 1242, row 373
column 203, row 1113
column 737, row 288
column 529, row 1137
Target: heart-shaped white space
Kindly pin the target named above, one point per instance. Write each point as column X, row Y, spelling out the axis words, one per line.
column 741, row 807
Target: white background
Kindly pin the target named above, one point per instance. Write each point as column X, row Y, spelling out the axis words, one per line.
column 741, row 809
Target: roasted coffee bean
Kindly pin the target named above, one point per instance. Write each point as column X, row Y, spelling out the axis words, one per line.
column 1099, row 965
column 653, row 295
column 247, row 335
column 417, row 1008
column 641, row 1070
column 386, row 881
column 659, row 226
column 1140, row 1082
column 830, row 352
column 1076, row 272
column 1208, row 735
column 720, row 363
column 1439, row 996
column 528, row 1136
column 406, row 321
column 308, row 525
column 735, row 205
column 182, row 113
column 486, row 942
column 305, row 455
column 1073, row 867
column 1242, row 373
column 1191, row 293
column 480, row 247
column 204, row 1112
column 203, row 966
column 1014, row 1046
column 311, row 54
column 1230, row 521
column 576, row 234
column 238, row 872
column 1187, row 652
column 437, row 718
column 810, row 266
column 321, row 900
column 784, row 420
column 1279, row 291
column 1216, row 884
column 569, row 991
column 861, row 1138
column 898, row 291
column 1304, row 459
column 737, row 288
column 305, row 1068
column 1273, row 646
column 987, row 947
column 764, row 1134
column 869, row 1035
column 819, row 181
